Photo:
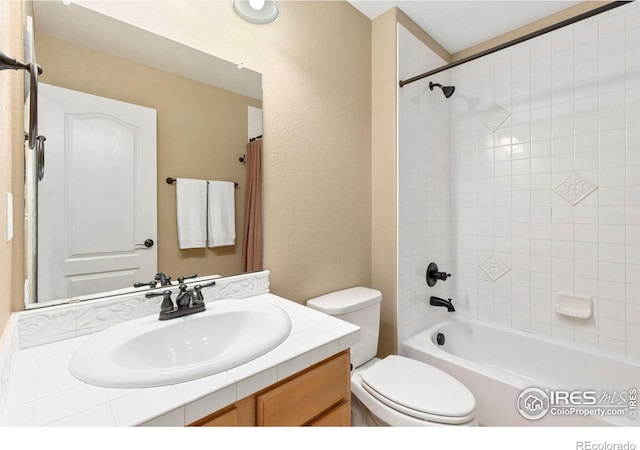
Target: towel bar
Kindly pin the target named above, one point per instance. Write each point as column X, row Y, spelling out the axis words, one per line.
column 173, row 180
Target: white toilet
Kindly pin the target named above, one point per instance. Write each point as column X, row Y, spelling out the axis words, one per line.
column 394, row 391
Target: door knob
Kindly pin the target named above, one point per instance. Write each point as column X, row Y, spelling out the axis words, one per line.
column 148, row 244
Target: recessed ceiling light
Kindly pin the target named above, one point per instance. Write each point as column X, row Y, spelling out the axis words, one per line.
column 259, row 12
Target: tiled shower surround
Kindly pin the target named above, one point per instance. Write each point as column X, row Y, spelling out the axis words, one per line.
column 424, row 226
column 543, row 154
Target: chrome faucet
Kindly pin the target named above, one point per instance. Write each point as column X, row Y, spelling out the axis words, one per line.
column 188, row 301
column 437, row 301
column 163, row 279
column 183, row 300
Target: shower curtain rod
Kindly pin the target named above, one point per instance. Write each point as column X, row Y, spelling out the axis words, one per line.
column 564, row 23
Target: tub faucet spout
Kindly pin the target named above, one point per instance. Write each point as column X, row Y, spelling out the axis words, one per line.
column 437, row 301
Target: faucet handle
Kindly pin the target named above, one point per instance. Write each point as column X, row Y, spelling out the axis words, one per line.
column 199, row 298
column 181, row 279
column 151, row 284
column 167, row 303
column 433, row 274
column 200, row 286
column 441, row 275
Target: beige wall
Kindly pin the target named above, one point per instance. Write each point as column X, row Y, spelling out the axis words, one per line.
column 11, row 160
column 384, row 185
column 202, row 131
column 316, row 68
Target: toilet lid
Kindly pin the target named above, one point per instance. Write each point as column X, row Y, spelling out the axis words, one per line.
column 419, row 390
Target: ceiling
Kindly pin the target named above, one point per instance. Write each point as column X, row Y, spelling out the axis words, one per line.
column 75, row 23
column 458, row 25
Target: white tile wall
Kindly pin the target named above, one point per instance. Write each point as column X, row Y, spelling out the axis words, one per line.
column 574, row 102
column 424, row 227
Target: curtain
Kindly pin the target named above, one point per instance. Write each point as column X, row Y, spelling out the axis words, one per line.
column 252, row 236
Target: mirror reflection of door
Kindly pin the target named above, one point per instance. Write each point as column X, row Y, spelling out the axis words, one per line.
column 201, row 102
column 97, row 200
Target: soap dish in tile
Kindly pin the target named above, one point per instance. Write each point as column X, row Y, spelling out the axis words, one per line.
column 574, row 305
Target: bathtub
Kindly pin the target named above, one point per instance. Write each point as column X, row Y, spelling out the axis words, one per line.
column 497, row 363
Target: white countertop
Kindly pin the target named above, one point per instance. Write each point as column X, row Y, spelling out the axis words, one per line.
column 42, row 392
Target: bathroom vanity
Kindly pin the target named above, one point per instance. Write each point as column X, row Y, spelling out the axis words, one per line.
column 317, row 396
column 303, row 381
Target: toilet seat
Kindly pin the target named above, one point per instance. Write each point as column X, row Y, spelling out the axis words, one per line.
column 419, row 390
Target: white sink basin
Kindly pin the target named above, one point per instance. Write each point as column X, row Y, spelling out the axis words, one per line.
column 147, row 352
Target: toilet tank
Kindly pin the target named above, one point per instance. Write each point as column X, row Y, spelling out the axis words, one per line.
column 359, row 306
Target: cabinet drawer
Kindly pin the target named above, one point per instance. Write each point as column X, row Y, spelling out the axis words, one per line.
column 229, row 419
column 226, row 418
column 340, row 416
column 240, row 414
column 303, row 398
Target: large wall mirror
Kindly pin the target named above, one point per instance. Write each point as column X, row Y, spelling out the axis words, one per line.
column 124, row 113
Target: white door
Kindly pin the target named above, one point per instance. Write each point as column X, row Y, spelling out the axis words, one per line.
column 97, row 200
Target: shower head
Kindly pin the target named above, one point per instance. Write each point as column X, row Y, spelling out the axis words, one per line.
column 446, row 90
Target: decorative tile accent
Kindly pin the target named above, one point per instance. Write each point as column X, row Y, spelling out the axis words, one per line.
column 493, row 117
column 575, row 188
column 44, row 325
column 494, row 267
column 242, row 286
column 94, row 318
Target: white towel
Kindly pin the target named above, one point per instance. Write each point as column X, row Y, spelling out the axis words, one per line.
column 222, row 214
column 191, row 208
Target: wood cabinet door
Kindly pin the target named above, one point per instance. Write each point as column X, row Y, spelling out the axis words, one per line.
column 305, row 397
column 340, row 416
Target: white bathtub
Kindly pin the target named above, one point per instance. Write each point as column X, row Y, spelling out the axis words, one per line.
column 497, row 363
